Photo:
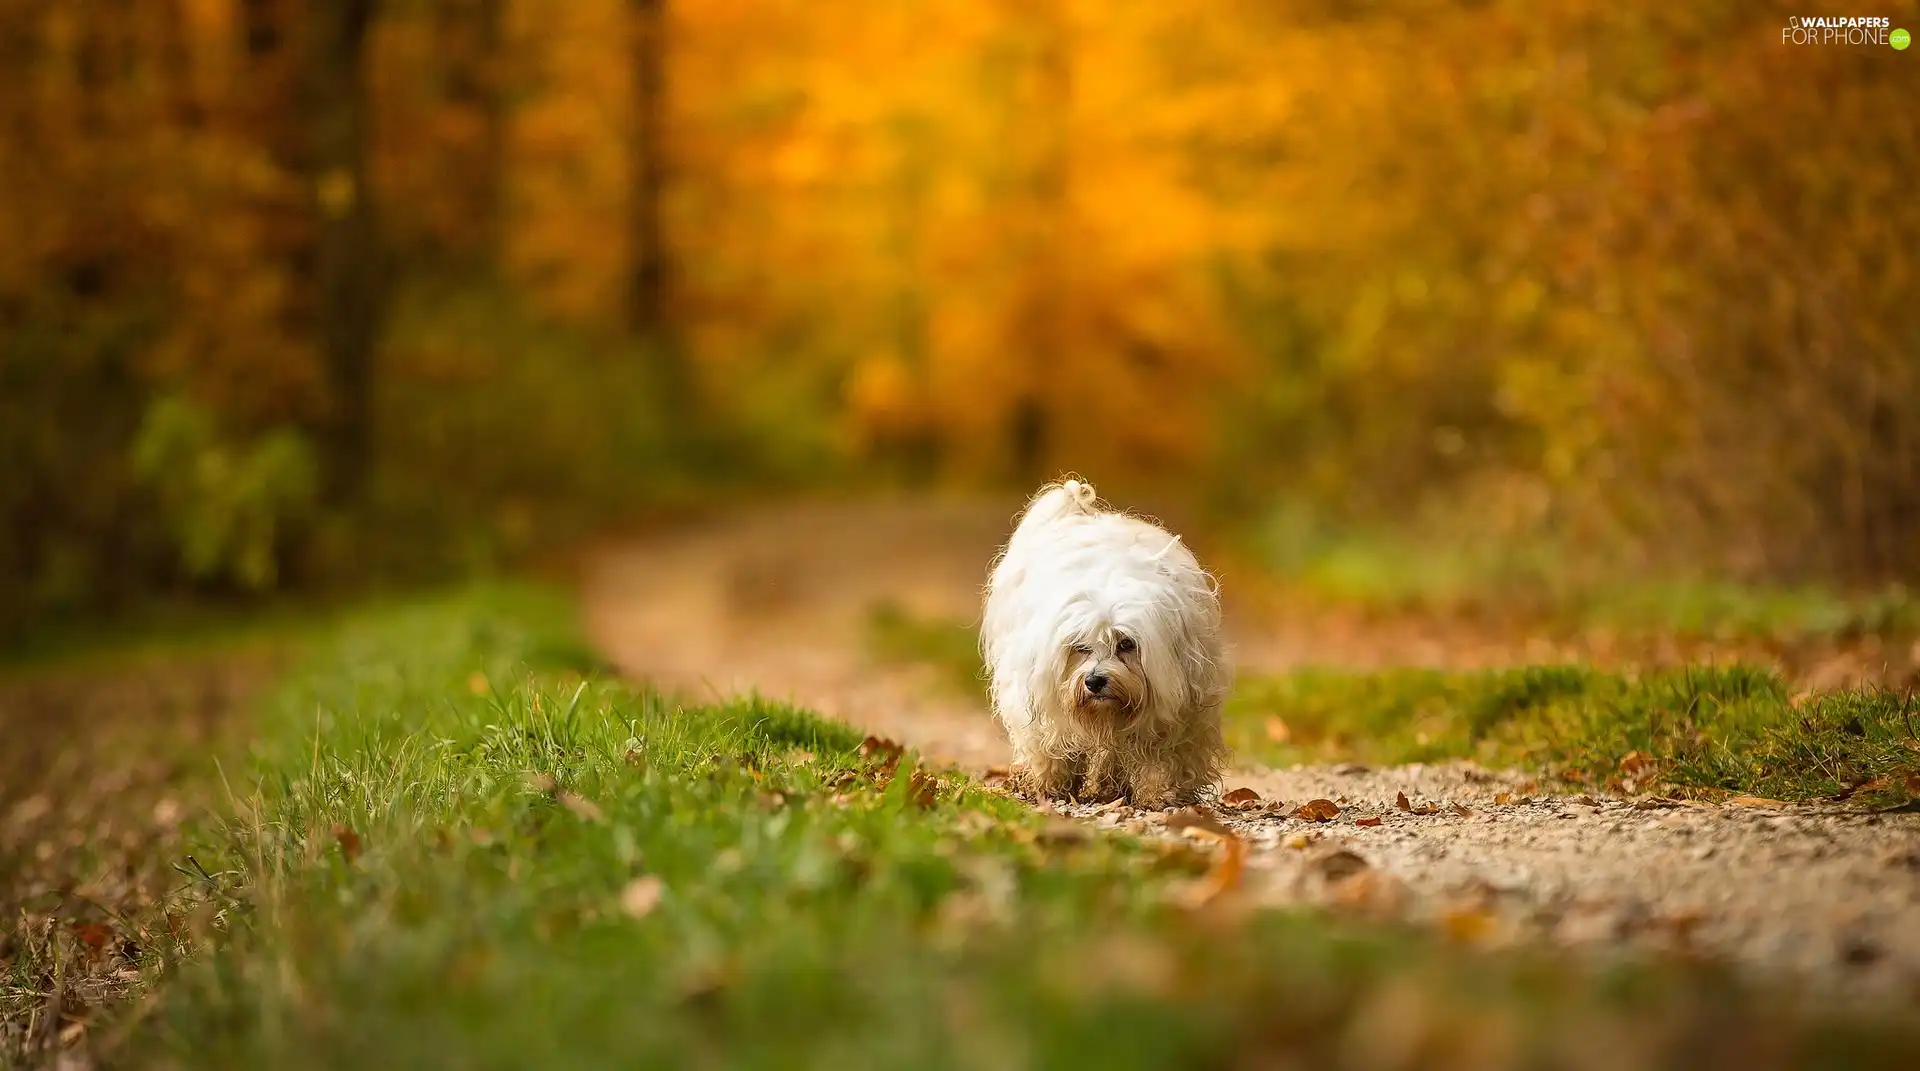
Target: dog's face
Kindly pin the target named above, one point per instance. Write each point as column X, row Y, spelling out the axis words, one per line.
column 1105, row 678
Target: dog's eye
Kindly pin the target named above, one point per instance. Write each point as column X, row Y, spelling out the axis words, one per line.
column 1126, row 645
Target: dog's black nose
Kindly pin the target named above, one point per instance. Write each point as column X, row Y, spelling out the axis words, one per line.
column 1096, row 683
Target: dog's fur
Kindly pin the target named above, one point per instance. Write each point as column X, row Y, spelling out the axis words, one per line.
column 1082, row 594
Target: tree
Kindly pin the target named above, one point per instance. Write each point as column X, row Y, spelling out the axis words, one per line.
column 307, row 65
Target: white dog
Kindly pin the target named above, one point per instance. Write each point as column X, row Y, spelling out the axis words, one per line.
column 1102, row 634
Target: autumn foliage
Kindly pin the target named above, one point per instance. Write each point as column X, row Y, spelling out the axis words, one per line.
column 283, row 283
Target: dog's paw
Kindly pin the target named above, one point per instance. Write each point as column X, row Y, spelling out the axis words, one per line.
column 1153, row 790
column 1104, row 782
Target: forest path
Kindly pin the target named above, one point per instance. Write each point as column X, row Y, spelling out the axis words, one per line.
column 780, row 600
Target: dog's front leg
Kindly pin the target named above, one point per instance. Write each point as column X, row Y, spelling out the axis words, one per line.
column 1105, row 780
column 1046, row 776
column 1153, row 787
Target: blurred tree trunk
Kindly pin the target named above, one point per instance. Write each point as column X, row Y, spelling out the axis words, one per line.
column 1044, row 321
column 307, row 107
column 649, row 309
column 471, row 35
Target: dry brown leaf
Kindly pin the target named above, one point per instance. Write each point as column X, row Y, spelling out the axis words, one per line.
column 1427, row 808
column 880, row 746
column 1462, row 809
column 1755, row 801
column 1502, row 798
column 1633, row 762
column 1194, row 818
column 583, row 808
column 1321, row 810
column 1366, row 821
column 1402, row 802
column 641, row 896
column 921, row 789
column 1277, row 730
column 1223, row 876
column 1240, row 797
column 94, row 935
column 348, row 840
column 1339, row 864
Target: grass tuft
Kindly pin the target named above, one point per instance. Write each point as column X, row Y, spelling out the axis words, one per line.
column 1701, row 730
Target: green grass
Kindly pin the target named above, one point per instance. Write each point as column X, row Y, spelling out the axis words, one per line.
column 428, row 859
column 1392, row 571
column 1700, row 730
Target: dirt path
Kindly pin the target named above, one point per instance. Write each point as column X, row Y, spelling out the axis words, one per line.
column 778, row 601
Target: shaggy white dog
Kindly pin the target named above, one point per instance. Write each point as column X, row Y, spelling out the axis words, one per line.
column 1102, row 634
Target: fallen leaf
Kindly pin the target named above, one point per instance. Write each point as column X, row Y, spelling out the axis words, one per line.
column 1462, row 809
column 1401, row 802
column 1339, row 864
column 1317, row 811
column 1221, row 877
column 1240, row 797
column 641, row 896
column 1633, row 762
column 1277, row 730
column 1194, row 818
column 1502, row 798
column 1427, row 808
column 1755, row 801
column 875, row 745
column 1366, row 821
column 348, row 840
column 584, row 808
column 921, row 789
column 94, row 935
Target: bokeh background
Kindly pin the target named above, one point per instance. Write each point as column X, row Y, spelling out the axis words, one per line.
column 301, row 296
